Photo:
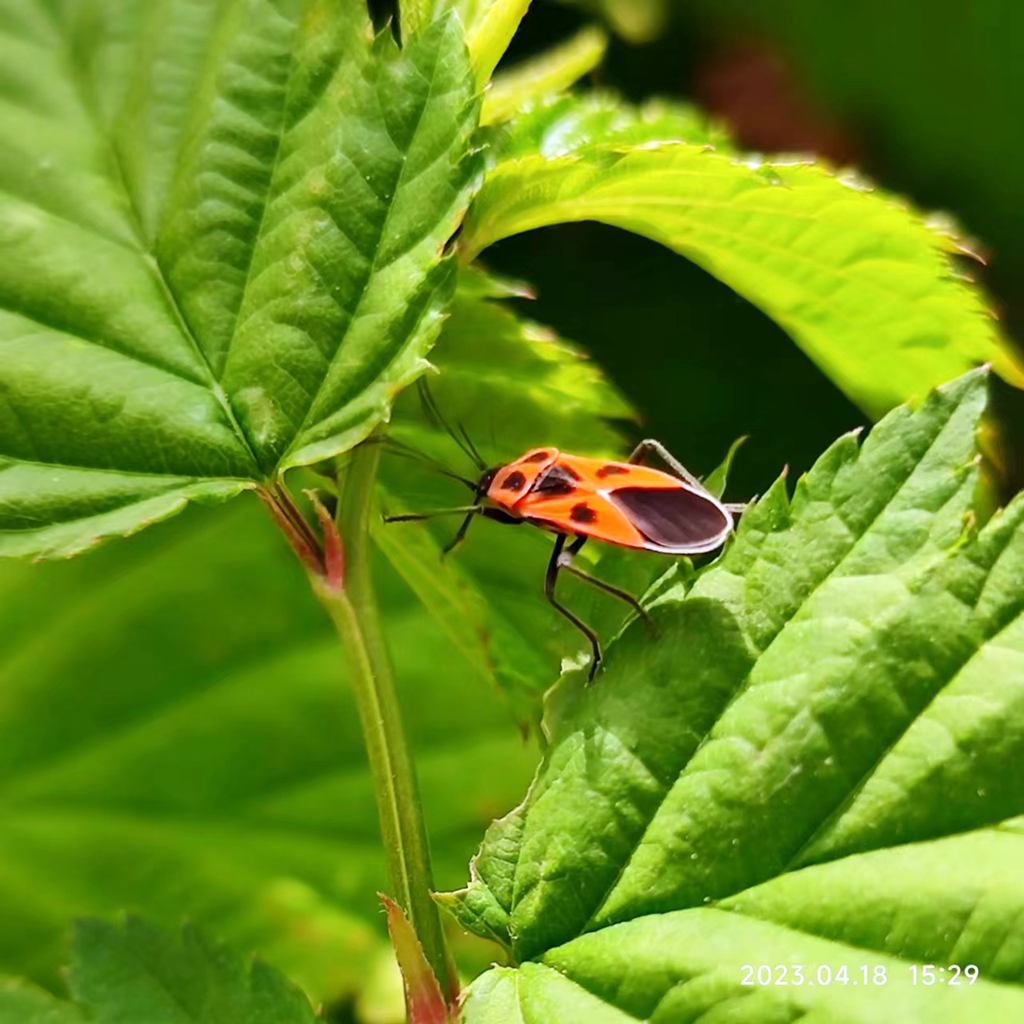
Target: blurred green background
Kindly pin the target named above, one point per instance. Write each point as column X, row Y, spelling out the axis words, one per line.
column 198, row 789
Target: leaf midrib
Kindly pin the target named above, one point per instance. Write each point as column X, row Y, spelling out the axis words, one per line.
column 150, row 259
column 374, row 265
column 986, row 638
column 286, row 126
column 949, row 413
column 175, row 478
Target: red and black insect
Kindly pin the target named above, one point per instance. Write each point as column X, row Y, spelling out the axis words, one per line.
column 578, row 498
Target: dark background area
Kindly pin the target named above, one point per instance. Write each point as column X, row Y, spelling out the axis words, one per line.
column 924, row 97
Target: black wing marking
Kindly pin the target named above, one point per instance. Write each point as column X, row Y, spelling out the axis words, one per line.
column 675, row 517
column 555, row 482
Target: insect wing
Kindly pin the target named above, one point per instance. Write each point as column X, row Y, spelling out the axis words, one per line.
column 658, row 510
column 584, row 513
column 674, row 519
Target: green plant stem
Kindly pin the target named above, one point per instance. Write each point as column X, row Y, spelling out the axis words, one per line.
column 353, row 610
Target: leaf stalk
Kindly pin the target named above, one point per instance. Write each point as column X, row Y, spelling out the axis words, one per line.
column 344, row 587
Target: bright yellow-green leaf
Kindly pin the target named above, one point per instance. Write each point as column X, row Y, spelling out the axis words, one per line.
column 549, row 73
column 860, row 281
column 490, row 26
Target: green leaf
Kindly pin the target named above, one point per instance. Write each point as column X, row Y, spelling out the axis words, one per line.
column 860, row 281
column 414, row 15
column 21, row 1003
column 559, row 126
column 547, row 74
column 177, row 738
column 717, row 480
column 135, row 972
column 490, row 26
column 826, row 738
column 638, row 21
column 682, row 966
column 222, row 250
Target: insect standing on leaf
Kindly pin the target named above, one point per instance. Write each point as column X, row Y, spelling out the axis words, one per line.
column 579, row 498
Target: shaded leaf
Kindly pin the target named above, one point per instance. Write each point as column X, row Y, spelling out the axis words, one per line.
column 136, row 972
column 22, row 1003
column 177, row 737
column 718, row 478
column 827, row 738
column 863, row 283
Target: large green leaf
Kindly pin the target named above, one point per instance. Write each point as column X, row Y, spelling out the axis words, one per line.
column 177, row 737
column 135, row 973
column 863, row 283
column 222, row 246
column 819, row 761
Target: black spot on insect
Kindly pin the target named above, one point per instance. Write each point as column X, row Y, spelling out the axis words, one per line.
column 612, row 470
column 538, row 457
column 582, row 513
column 556, row 482
column 514, row 481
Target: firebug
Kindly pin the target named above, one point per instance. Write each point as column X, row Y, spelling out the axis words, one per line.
column 578, row 498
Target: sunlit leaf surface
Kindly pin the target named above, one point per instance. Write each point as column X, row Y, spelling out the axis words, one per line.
column 818, row 763
column 222, row 232
column 859, row 279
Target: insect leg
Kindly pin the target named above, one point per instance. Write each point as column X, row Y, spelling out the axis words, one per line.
column 566, row 563
column 550, row 579
column 648, row 446
column 414, row 517
column 460, row 535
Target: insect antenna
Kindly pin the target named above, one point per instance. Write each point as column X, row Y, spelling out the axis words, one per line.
column 407, row 451
column 477, row 457
column 434, row 415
